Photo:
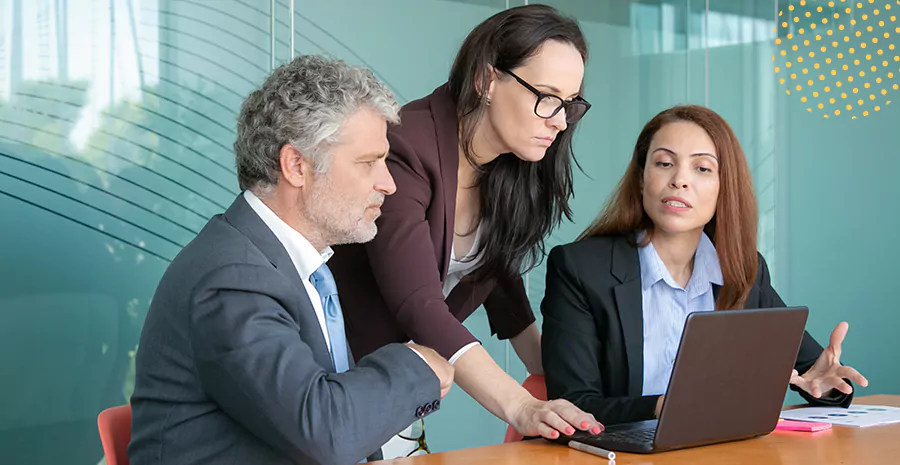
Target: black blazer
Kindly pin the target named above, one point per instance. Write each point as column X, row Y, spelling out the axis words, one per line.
column 593, row 329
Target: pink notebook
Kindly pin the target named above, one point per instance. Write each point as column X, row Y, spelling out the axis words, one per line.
column 809, row 426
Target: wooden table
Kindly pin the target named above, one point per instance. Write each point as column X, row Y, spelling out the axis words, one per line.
column 840, row 445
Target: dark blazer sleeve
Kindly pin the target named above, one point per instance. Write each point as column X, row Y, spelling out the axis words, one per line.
column 809, row 349
column 403, row 261
column 508, row 309
column 253, row 364
column 572, row 349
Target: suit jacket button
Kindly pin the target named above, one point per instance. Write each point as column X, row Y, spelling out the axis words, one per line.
column 420, row 412
column 436, row 404
column 429, row 408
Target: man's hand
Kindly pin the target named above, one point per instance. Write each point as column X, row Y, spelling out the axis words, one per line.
column 439, row 365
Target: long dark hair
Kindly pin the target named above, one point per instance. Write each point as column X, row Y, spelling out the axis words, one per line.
column 521, row 202
column 732, row 228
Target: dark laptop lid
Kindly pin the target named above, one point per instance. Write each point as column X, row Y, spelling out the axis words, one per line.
column 730, row 375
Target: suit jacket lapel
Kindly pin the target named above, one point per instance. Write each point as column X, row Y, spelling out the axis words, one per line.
column 752, row 297
column 244, row 219
column 351, row 360
column 446, row 125
column 626, row 268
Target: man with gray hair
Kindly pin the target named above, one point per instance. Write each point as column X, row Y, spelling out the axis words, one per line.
column 243, row 356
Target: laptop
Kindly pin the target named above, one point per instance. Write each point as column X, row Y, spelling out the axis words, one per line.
column 728, row 383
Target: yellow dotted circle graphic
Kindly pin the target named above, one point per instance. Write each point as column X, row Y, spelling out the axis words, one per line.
column 869, row 28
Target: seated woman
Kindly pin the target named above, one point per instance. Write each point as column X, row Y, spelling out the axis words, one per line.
column 678, row 236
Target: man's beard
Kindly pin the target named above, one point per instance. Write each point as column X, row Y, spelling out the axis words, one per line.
column 337, row 219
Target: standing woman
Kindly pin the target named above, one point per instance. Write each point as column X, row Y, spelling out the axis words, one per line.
column 483, row 173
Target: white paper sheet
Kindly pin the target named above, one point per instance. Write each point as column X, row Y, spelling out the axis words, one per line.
column 856, row 415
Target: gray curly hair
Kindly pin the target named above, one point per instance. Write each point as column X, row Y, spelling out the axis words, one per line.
column 303, row 103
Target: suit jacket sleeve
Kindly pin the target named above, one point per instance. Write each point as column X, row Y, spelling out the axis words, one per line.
column 253, row 364
column 403, row 261
column 508, row 309
column 572, row 349
column 809, row 349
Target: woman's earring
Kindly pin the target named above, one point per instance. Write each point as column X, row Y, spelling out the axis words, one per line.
column 487, row 102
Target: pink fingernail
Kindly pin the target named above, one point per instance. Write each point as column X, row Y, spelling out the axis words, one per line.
column 595, row 430
column 570, row 431
column 584, row 424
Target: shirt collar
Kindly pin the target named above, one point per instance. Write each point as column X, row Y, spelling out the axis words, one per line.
column 707, row 269
column 709, row 261
column 305, row 257
column 651, row 265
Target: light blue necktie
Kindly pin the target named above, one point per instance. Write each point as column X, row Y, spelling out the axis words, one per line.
column 323, row 281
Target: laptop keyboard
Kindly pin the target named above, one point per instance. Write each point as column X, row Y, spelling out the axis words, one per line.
column 635, row 436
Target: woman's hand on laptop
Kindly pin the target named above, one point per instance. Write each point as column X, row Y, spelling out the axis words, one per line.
column 828, row 373
column 550, row 418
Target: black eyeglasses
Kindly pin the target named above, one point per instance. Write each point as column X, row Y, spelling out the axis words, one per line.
column 548, row 105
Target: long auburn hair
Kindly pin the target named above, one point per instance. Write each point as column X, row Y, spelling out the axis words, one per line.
column 733, row 226
column 521, row 202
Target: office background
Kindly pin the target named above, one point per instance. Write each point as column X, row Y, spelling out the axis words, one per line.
column 117, row 119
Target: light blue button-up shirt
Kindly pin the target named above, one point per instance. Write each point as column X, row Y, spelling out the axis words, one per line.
column 666, row 306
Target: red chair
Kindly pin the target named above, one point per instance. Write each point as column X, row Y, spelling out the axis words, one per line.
column 114, row 424
column 534, row 384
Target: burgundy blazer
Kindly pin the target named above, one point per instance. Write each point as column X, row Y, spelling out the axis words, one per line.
column 391, row 289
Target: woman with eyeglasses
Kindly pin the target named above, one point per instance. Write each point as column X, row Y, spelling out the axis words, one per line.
column 483, row 173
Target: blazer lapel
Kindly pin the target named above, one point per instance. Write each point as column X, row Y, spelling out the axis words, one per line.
column 447, row 130
column 752, row 297
column 244, row 219
column 350, row 358
column 626, row 268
